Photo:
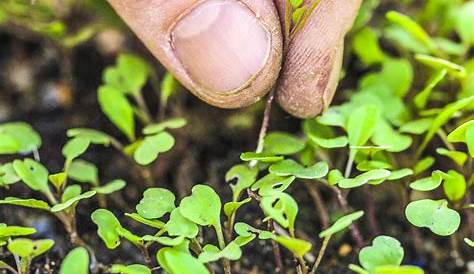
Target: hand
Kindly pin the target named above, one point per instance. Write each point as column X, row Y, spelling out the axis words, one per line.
column 230, row 53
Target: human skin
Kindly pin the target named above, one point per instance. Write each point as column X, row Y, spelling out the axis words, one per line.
column 231, row 53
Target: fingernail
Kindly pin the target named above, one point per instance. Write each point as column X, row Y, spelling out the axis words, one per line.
column 221, row 44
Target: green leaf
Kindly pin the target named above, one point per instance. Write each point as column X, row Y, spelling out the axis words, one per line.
column 180, row 226
column 341, row 224
column 140, row 219
column 272, row 184
column 111, row 187
column 296, row 246
column 75, row 148
column 398, row 174
column 31, row 203
column 134, row 72
column 421, row 98
column 443, row 117
column 155, row 203
column 332, row 117
column 71, row 192
column 231, row 207
column 322, row 135
column 434, row 215
column 454, row 186
column 163, row 240
column 457, row 156
column 417, row 127
column 15, row 231
column 439, row 64
column 244, row 176
column 118, row 109
column 72, row 201
column 75, row 262
column 211, row 253
column 470, row 140
column 464, row 22
column 410, row 26
column 108, row 227
column 384, row 251
column 203, row 207
column 173, row 123
column 33, row 174
column 297, row 14
column 8, row 175
column 282, row 143
column 405, row 269
column 469, row 242
column 84, row 172
column 26, row 248
column 423, row 165
column 374, row 176
column 427, row 183
column 152, row 146
column 459, row 134
column 361, row 124
column 386, row 136
column 169, row 86
column 369, row 165
column 130, row 269
column 18, row 137
column 291, row 168
column 58, row 180
column 335, row 176
column 175, row 261
column 282, row 208
column 366, row 46
column 94, row 136
column 296, row 3
column 261, row 157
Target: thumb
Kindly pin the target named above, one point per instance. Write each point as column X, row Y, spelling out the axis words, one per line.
column 227, row 52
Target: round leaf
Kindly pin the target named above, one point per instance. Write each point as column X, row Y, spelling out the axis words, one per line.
column 155, row 203
column 434, row 215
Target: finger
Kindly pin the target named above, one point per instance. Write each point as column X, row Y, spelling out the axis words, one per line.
column 226, row 52
column 311, row 70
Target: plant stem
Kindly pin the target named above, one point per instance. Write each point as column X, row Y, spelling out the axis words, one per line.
column 350, row 162
column 220, row 239
column 276, row 250
column 11, row 269
column 355, row 232
column 322, row 250
column 318, row 204
column 143, row 108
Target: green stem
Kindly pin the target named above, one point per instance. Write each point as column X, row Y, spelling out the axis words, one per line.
column 220, row 239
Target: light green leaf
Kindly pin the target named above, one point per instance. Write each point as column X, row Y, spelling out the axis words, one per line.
column 421, row 98
column 18, row 137
column 140, row 219
column 231, row 207
column 8, row 175
column 32, row 203
column 282, row 143
column 335, row 176
column 282, row 208
column 417, row 127
column 459, row 134
column 434, row 215
column 169, row 86
column 33, row 174
column 130, row 269
column 173, row 123
column 291, row 168
column 15, row 231
column 361, row 124
column 439, row 64
column 384, row 251
column 296, row 246
column 469, row 242
column 427, row 183
column 134, row 72
column 118, row 109
column 175, row 261
column 454, row 185
column 386, row 136
column 26, row 248
column 244, row 176
column 94, row 136
column 375, row 176
column 366, row 46
column 457, row 156
column 155, row 203
column 464, row 22
column 163, row 240
column 423, row 165
column 410, row 26
column 404, row 269
column 75, row 148
column 332, row 117
column 398, row 174
column 84, row 172
column 373, row 164
column 444, row 116
column 470, row 140
column 75, row 262
column 152, row 146
column 272, row 184
column 261, row 157
column 108, row 227
column 58, row 180
column 72, row 201
column 341, row 224
column 180, row 226
column 111, row 187
column 203, row 207
column 211, row 253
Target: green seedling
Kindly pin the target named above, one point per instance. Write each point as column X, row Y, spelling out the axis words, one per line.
column 435, row 215
column 75, row 262
column 27, row 250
